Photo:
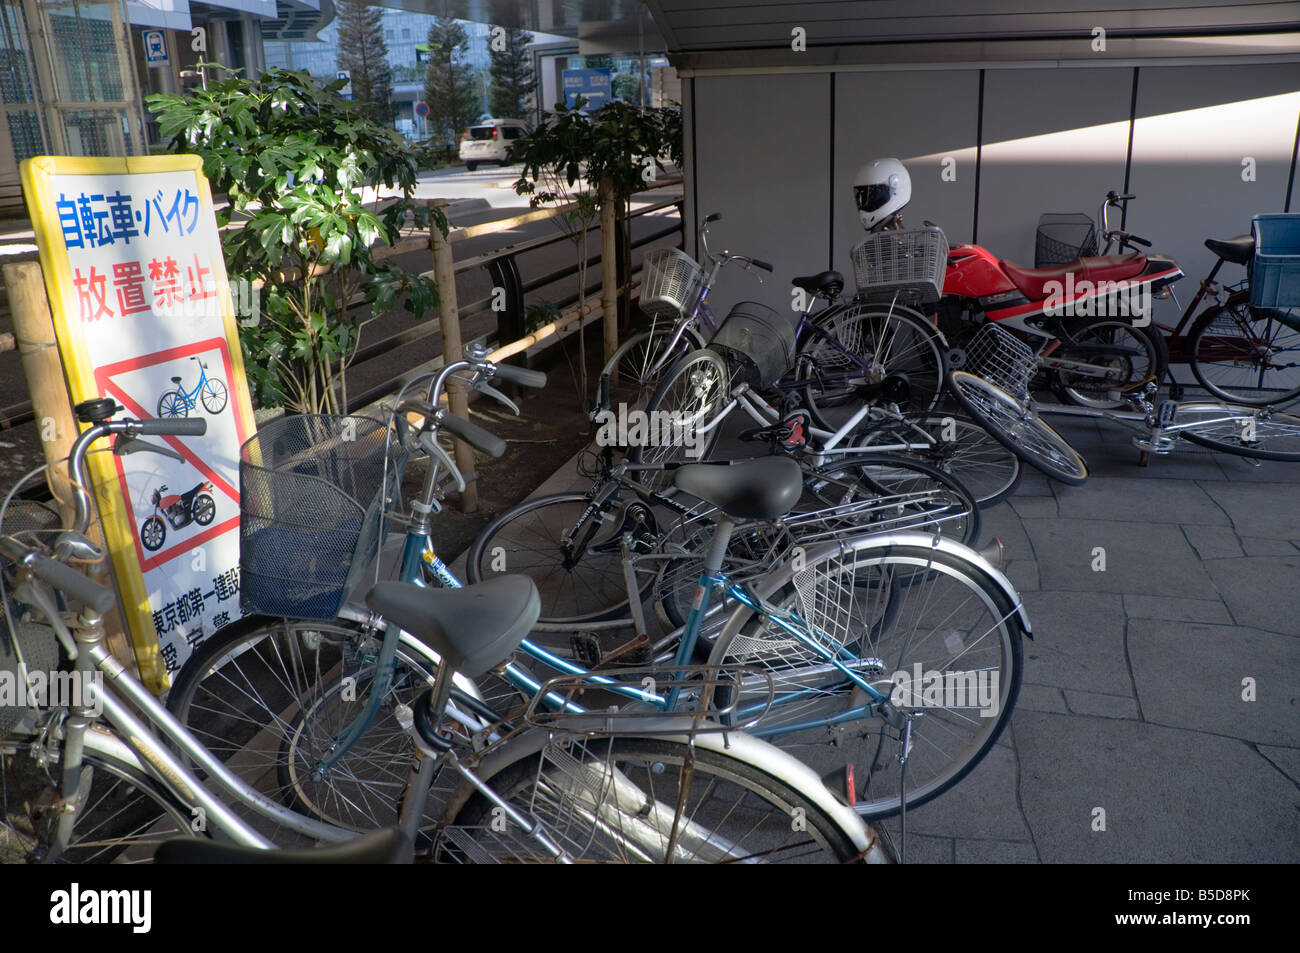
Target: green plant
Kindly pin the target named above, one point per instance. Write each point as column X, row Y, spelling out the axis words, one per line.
column 539, row 314
column 298, row 164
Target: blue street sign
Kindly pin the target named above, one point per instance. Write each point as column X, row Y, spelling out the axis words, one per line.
column 346, row 91
column 594, row 85
column 155, row 48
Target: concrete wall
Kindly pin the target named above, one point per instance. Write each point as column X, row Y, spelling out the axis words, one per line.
column 776, row 155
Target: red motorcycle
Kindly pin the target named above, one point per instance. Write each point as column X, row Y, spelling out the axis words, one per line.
column 196, row 506
column 1088, row 321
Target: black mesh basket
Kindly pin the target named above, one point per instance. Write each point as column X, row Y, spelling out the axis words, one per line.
column 757, row 342
column 1063, row 237
column 313, row 492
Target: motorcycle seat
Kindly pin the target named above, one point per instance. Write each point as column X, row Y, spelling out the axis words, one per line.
column 1239, row 250
column 1033, row 281
column 829, row 283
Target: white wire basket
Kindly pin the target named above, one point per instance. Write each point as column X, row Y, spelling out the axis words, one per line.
column 910, row 263
column 1002, row 359
column 670, row 283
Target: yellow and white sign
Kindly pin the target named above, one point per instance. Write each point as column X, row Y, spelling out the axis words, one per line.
column 143, row 314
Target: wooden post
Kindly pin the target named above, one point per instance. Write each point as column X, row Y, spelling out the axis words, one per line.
column 39, row 351
column 608, row 267
column 444, row 273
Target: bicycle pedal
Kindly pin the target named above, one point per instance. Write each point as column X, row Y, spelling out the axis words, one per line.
column 586, row 648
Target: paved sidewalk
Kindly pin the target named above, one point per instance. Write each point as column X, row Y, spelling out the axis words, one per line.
column 1132, row 700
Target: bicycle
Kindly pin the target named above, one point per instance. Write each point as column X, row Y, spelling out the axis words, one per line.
column 998, row 397
column 470, row 630
column 179, row 402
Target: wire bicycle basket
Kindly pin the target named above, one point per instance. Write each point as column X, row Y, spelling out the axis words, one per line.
column 910, row 263
column 314, row 489
column 1002, row 359
column 1062, row 237
column 670, row 283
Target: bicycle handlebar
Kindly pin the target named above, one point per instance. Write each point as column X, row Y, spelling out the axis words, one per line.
column 519, row 375
column 474, row 435
column 176, row 428
column 76, row 584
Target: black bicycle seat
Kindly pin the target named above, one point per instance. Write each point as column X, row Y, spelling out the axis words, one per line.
column 757, row 489
column 472, row 628
column 388, row 845
column 829, row 283
column 1237, row 250
column 176, row 380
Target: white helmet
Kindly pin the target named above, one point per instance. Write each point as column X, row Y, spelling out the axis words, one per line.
column 881, row 188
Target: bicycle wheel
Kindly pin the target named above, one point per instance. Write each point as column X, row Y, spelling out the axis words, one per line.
column 124, row 819
column 888, row 341
column 1244, row 431
column 946, row 623
column 173, row 404
column 956, row 445
column 1247, row 355
column 1019, row 429
column 640, row 361
column 587, row 583
column 270, row 696
column 214, row 396
column 1129, row 355
column 619, row 800
column 690, row 396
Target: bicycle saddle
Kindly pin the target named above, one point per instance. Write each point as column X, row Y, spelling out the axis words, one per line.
column 1237, row 250
column 472, row 628
column 176, row 380
column 829, row 283
column 388, row 845
column 756, row 490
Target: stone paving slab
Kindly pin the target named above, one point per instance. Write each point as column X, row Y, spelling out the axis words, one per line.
column 1261, row 591
column 1267, row 510
column 1151, row 558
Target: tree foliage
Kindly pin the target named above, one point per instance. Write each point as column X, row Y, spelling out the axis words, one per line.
column 363, row 53
column 513, row 83
column 297, row 163
column 449, row 85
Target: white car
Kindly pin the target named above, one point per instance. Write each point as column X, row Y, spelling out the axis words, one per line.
column 489, row 140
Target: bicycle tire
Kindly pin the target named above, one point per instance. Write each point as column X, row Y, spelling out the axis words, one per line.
column 1152, row 361
column 958, row 446
column 125, row 818
column 216, row 390
column 635, row 368
column 763, row 807
column 1227, row 334
column 173, row 404
column 892, row 340
column 1283, row 428
column 819, row 694
column 527, row 539
column 267, row 696
column 696, row 389
column 1021, row 431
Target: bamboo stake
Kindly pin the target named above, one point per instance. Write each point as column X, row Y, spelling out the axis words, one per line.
column 444, row 267
column 38, row 349
column 608, row 268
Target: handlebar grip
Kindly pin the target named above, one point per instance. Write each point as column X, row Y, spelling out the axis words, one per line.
column 474, row 435
column 760, row 264
column 1127, row 198
column 79, row 586
column 176, row 428
column 520, row 375
column 1138, row 241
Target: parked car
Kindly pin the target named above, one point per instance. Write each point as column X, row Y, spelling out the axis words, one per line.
column 489, row 141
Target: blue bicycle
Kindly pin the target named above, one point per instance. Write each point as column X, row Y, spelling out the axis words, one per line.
column 318, row 704
column 211, row 391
